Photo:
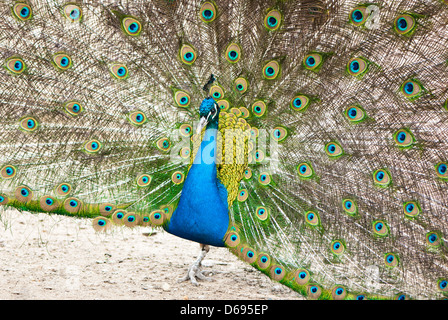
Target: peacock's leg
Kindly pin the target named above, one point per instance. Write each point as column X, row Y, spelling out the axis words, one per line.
column 195, row 270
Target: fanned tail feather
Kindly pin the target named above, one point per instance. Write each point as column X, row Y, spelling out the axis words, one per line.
column 347, row 201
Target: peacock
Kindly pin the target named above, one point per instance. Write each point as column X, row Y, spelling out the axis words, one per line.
column 309, row 137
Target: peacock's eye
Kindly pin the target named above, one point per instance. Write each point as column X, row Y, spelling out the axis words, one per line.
column 314, row 291
column 404, row 138
column 163, row 144
column 131, row 26
column 279, row 133
column 92, row 146
column 137, row 118
column 63, row 189
column 233, row 53
column 354, row 114
column 262, row 213
column 22, row 11
column 177, row 177
column 312, row 218
column 143, row 180
column 48, row 203
column 301, row 276
column 182, row 99
column 232, row 239
column 405, row 24
column 349, row 206
column 185, row 130
column 241, row 85
column 264, row 178
column 216, row 92
column 15, row 65
column 62, row 61
column 119, row 71
column 357, row 67
column 442, row 170
column 338, row 293
column 23, row 194
column 272, row 20
column 28, row 124
column 313, row 61
column 7, row 172
column 333, row 149
column 433, row 239
column 73, row 12
column 187, row 54
column 305, row 170
column 299, row 103
column 72, row 205
column 411, row 89
column 271, row 70
column 73, row 108
column 259, row 108
column 207, row 12
column 382, row 178
column 380, row 228
column 358, row 16
column 337, row 247
column 443, row 285
column 391, row 260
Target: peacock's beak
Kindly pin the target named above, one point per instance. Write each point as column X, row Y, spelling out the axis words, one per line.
column 202, row 123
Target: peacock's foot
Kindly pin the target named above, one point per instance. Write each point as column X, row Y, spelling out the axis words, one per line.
column 195, row 272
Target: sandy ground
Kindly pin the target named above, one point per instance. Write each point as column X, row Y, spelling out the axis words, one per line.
column 56, row 257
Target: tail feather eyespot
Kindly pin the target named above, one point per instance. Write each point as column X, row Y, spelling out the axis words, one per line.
column 106, row 209
column 73, row 205
column 8, row 172
column 48, row 203
column 302, row 277
column 271, row 70
column 187, row 54
column 23, row 194
column 273, row 20
column 22, row 11
column 131, row 26
column 101, row 224
column 233, row 53
column 73, row 12
column 207, row 12
column 62, row 61
column 15, row 65
column 119, row 71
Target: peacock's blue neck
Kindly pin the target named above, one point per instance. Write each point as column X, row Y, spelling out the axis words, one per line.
column 202, row 214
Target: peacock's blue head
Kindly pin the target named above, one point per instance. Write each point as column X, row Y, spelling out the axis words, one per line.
column 209, row 114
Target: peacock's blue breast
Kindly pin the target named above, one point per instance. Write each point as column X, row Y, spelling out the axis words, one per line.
column 202, row 214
